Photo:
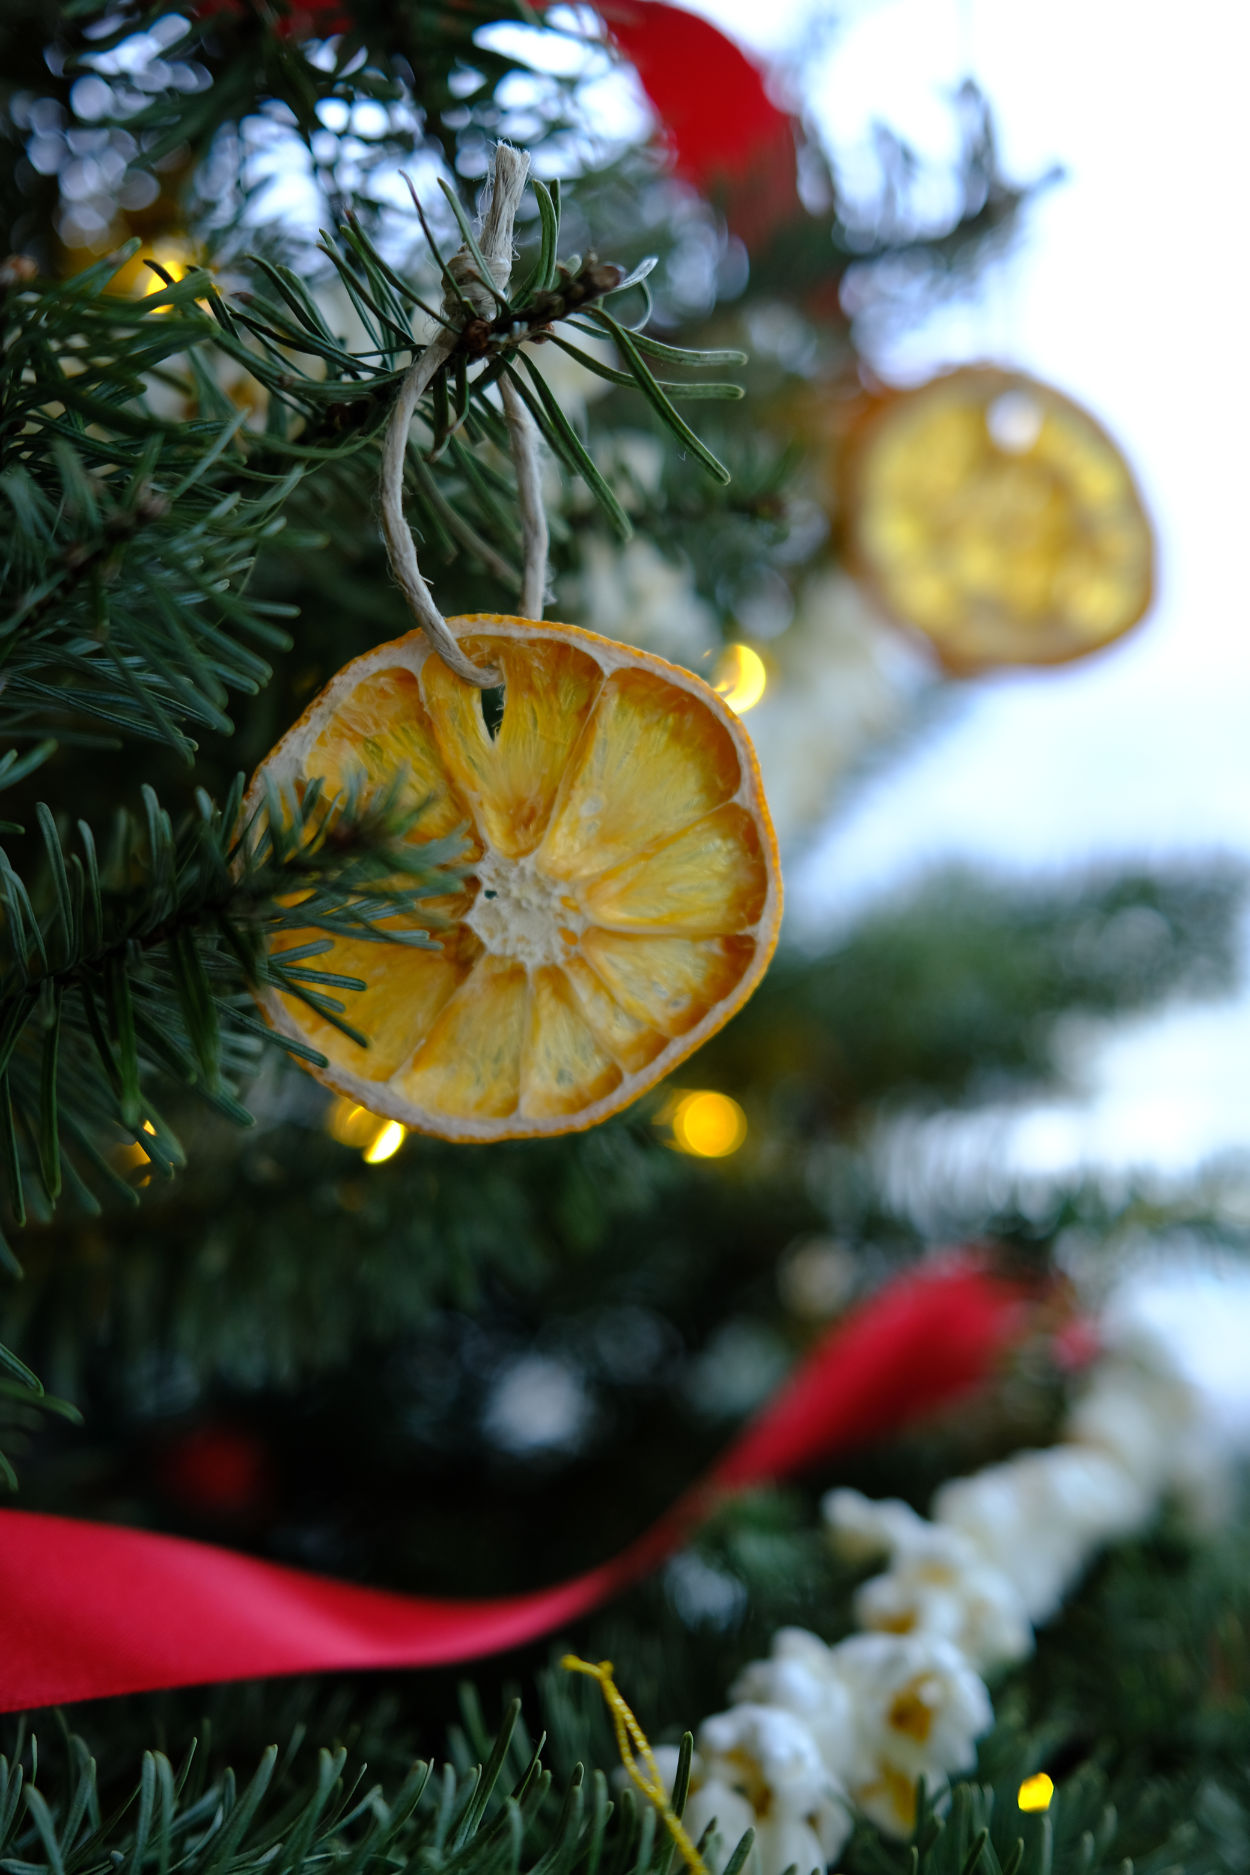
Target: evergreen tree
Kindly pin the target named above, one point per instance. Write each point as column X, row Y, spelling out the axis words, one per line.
column 241, row 1310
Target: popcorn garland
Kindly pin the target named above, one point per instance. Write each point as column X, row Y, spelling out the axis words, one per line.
column 817, row 1733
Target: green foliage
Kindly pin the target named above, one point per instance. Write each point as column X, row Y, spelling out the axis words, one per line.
column 215, row 1271
column 126, row 542
column 131, row 537
column 502, row 1817
column 171, row 83
column 340, row 403
column 128, row 533
column 1181, row 1691
column 123, row 976
column 954, row 995
column 122, row 973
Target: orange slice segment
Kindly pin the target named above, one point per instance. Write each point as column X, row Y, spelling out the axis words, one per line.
column 710, row 879
column 511, row 778
column 405, row 990
column 998, row 518
column 469, row 1067
column 381, row 732
column 566, row 1067
column 651, row 763
column 625, row 894
column 670, row 982
column 632, row 1040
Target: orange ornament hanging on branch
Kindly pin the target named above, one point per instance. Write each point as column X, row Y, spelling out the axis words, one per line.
column 625, row 892
column 995, row 516
column 625, row 896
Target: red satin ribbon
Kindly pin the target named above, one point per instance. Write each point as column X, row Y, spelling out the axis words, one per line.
column 725, row 135
column 88, row 1610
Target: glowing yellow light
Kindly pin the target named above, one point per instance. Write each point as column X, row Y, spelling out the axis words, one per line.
column 387, row 1143
column 1036, row 1792
column 130, row 1156
column 173, row 255
column 351, row 1124
column 709, row 1125
column 740, row 678
column 138, row 281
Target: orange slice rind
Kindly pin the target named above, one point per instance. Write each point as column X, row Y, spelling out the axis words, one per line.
column 625, row 895
column 998, row 518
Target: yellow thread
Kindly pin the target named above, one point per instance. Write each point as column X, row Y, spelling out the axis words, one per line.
column 631, row 1738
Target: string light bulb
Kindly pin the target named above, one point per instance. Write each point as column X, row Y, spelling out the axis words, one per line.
column 376, row 1139
column 387, row 1143
column 1036, row 1792
column 741, row 678
column 708, row 1125
column 137, row 280
column 174, row 255
column 351, row 1124
column 133, row 1155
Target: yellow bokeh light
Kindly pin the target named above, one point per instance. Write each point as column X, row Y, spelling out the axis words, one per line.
column 708, row 1125
column 133, row 1157
column 137, row 280
column 132, row 1154
column 175, row 256
column 740, row 678
column 1036, row 1792
column 387, row 1143
column 353, row 1125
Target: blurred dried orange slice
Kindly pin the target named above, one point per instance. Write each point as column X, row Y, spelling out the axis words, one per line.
column 625, row 896
column 998, row 518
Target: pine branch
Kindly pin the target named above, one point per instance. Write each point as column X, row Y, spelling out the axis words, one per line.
column 131, row 537
column 336, row 398
column 955, row 995
column 895, row 240
column 499, row 1809
column 117, row 976
column 501, row 1817
column 260, row 60
column 126, row 540
column 121, row 977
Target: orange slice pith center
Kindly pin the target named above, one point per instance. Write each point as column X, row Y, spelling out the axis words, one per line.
column 624, row 896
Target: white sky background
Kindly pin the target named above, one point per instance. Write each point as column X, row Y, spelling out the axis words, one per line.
column 1128, row 290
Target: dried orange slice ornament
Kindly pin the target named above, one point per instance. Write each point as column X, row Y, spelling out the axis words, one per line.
column 625, row 896
column 998, row 518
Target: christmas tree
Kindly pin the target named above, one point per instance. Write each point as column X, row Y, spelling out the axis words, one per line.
column 446, row 1249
